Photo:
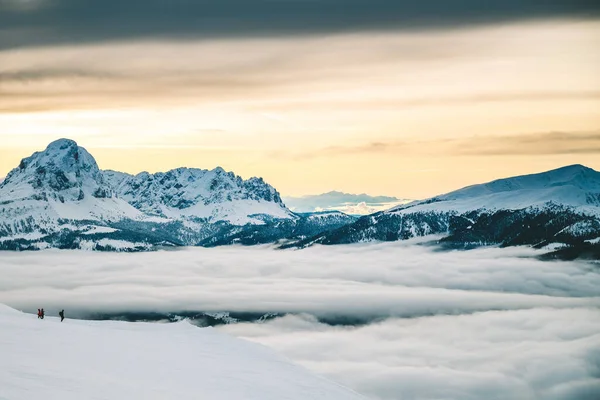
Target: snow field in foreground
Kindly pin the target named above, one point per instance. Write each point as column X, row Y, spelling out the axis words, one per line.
column 47, row 359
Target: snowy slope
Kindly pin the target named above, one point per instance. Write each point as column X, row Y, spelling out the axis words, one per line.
column 325, row 215
column 559, row 206
column 74, row 360
column 574, row 186
column 281, row 231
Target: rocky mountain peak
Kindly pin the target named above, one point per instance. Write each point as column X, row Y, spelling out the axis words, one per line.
column 203, row 193
column 63, row 171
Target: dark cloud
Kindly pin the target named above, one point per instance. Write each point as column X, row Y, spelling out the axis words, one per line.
column 60, row 88
column 37, row 74
column 45, row 22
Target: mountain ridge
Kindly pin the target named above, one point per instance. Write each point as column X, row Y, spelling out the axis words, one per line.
column 194, row 192
column 560, row 207
column 59, row 198
column 574, row 185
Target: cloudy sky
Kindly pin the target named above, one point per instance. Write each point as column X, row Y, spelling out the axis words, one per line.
column 387, row 97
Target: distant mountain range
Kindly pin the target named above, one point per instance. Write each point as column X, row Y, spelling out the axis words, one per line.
column 59, row 198
column 354, row 204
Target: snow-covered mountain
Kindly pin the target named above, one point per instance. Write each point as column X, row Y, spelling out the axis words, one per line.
column 50, row 188
column 60, row 198
column 561, row 207
column 66, row 360
column 574, row 186
column 209, row 195
column 355, row 204
column 62, row 175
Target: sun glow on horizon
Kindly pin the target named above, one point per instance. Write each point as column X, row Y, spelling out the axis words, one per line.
column 409, row 114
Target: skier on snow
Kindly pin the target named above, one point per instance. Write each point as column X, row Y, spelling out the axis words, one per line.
column 39, row 313
column 62, row 315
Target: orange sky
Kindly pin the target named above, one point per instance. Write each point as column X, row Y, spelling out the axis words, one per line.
column 410, row 114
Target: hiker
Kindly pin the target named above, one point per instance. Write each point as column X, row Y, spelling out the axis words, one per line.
column 62, row 315
column 39, row 313
column 42, row 314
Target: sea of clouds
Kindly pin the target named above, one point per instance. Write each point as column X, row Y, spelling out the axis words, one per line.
column 487, row 323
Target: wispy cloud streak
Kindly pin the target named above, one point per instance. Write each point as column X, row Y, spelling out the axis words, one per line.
column 545, row 143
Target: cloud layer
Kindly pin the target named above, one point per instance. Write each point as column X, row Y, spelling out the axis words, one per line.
column 543, row 353
column 382, row 280
column 488, row 323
